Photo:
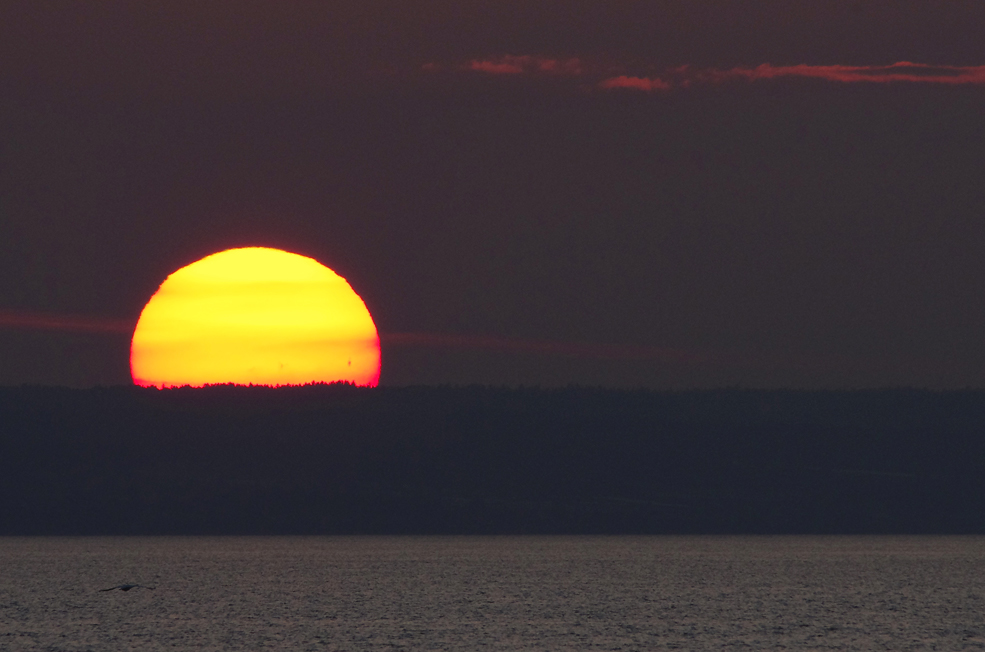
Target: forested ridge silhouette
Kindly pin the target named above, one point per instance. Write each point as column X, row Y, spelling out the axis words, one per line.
column 328, row 459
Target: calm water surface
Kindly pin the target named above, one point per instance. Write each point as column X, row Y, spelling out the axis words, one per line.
column 494, row 593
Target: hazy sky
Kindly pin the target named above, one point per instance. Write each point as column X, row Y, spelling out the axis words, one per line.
column 668, row 194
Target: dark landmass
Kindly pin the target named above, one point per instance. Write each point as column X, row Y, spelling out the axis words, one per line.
column 480, row 460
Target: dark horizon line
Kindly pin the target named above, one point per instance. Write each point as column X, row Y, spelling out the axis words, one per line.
column 518, row 387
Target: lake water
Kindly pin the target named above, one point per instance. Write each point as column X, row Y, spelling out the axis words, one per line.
column 493, row 593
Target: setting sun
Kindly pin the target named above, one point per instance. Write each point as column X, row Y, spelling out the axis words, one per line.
column 254, row 315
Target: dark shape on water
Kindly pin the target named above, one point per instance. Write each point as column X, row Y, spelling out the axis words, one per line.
column 127, row 587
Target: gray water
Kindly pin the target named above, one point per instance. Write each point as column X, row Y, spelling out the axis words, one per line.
column 493, row 593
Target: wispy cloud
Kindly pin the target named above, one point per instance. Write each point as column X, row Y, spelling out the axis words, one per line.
column 635, row 83
column 519, row 65
column 526, row 64
column 705, row 358
column 43, row 321
column 543, row 347
column 500, row 67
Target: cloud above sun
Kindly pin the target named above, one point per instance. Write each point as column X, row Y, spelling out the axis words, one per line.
column 612, row 77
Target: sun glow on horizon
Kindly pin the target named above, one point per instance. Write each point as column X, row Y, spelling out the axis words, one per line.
column 254, row 316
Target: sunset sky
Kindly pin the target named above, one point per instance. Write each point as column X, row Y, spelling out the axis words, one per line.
column 668, row 194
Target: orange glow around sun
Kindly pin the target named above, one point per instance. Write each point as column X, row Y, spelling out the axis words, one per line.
column 254, row 315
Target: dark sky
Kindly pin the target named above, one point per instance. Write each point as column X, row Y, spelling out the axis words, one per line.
column 661, row 193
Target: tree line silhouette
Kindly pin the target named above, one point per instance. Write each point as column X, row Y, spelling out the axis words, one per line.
column 338, row 459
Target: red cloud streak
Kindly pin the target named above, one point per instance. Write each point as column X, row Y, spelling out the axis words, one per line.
column 902, row 71
column 684, row 76
column 30, row 320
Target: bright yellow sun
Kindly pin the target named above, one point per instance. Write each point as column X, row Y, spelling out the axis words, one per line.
column 254, row 315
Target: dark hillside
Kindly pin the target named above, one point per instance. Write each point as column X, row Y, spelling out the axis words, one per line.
column 340, row 459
